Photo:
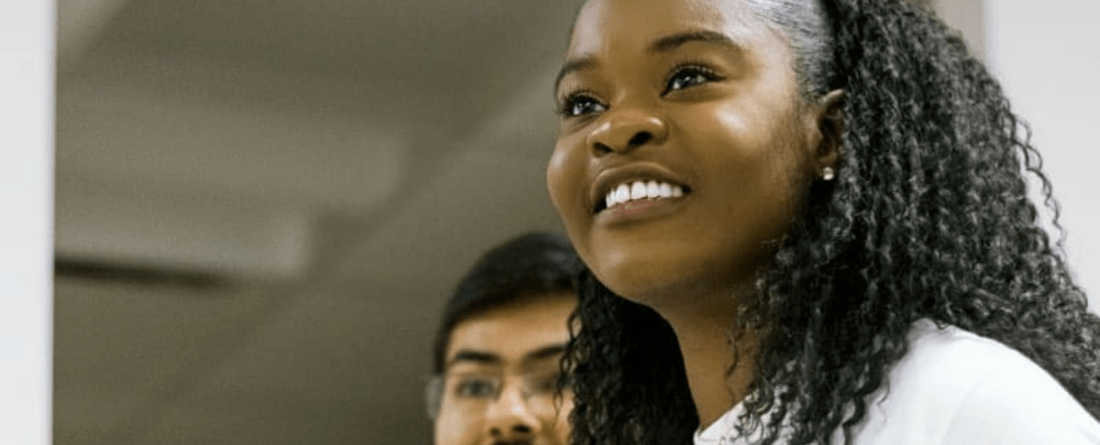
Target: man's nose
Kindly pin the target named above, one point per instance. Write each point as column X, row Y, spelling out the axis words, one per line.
column 510, row 417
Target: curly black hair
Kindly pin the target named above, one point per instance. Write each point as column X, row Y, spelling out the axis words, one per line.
column 929, row 217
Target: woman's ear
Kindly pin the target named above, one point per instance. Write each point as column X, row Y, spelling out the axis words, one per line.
column 830, row 125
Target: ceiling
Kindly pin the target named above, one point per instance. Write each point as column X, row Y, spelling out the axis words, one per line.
column 262, row 204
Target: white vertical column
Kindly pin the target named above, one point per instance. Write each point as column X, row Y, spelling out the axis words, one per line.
column 1047, row 56
column 26, row 177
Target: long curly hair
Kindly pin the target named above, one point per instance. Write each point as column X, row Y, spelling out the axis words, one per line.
column 929, row 217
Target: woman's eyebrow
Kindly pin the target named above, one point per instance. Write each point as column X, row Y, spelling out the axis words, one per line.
column 572, row 65
column 673, row 41
column 661, row 45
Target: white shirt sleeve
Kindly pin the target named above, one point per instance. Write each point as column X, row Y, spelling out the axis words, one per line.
column 1020, row 405
column 956, row 388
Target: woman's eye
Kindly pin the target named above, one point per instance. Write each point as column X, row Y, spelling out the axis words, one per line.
column 577, row 105
column 476, row 387
column 687, row 77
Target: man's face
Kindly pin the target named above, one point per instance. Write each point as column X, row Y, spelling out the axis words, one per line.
column 501, row 374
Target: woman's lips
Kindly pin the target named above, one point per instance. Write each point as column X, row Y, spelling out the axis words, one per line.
column 639, row 210
column 638, row 181
column 632, row 207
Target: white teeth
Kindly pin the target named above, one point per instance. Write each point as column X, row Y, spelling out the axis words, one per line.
column 642, row 190
column 617, row 195
column 622, row 193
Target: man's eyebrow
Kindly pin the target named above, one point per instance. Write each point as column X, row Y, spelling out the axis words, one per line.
column 671, row 42
column 545, row 352
column 469, row 355
column 573, row 65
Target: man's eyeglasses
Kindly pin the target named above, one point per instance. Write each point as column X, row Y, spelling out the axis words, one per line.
column 474, row 390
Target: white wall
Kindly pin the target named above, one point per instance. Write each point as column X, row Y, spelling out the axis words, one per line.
column 1047, row 55
column 26, row 115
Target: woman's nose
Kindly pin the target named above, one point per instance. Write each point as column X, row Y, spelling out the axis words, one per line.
column 624, row 130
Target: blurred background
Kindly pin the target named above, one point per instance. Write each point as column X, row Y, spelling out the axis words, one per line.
column 262, row 204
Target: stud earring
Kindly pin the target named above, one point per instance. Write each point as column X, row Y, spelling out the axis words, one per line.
column 827, row 174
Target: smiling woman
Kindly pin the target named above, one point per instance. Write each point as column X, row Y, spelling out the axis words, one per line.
column 802, row 218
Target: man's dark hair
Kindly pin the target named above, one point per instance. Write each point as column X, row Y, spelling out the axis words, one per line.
column 529, row 265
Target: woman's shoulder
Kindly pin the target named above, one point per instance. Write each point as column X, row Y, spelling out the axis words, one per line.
column 953, row 386
column 944, row 358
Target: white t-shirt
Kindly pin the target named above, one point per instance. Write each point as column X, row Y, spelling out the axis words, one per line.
column 956, row 388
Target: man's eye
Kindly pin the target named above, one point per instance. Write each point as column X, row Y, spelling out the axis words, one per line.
column 548, row 383
column 544, row 384
column 565, row 381
column 580, row 104
column 476, row 387
column 688, row 76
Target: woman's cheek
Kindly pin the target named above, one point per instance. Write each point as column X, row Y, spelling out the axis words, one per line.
column 565, row 181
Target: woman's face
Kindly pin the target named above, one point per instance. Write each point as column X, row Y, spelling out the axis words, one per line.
column 697, row 101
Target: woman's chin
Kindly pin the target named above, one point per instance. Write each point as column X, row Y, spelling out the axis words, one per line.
column 666, row 281
column 644, row 282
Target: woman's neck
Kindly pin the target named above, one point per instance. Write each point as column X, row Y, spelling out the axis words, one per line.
column 703, row 332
